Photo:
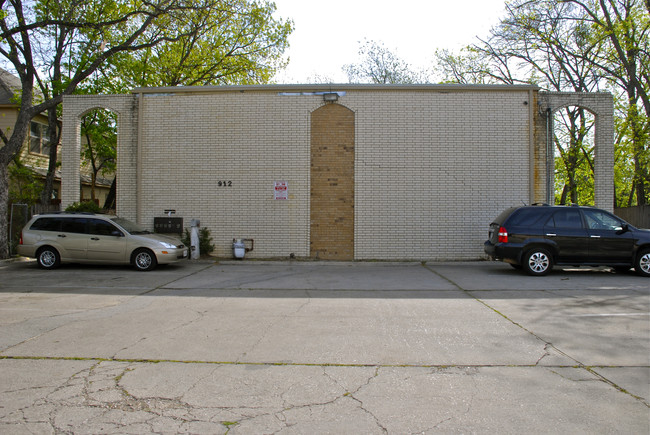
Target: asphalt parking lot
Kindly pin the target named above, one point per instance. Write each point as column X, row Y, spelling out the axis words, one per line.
column 323, row 347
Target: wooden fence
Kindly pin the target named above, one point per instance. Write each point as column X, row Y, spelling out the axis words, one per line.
column 638, row 216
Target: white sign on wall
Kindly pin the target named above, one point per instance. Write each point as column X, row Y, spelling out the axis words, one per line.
column 281, row 190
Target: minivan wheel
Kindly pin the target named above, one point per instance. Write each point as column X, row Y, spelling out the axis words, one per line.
column 144, row 260
column 537, row 262
column 48, row 258
column 642, row 265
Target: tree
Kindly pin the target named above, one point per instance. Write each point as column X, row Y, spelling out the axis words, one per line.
column 575, row 161
column 40, row 38
column 55, row 45
column 621, row 28
column 466, row 67
column 572, row 45
column 239, row 42
column 381, row 66
column 99, row 129
column 26, row 186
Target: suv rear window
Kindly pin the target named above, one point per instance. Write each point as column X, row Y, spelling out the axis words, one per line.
column 526, row 217
column 504, row 215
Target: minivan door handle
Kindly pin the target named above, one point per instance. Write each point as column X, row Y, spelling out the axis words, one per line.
column 551, row 234
column 595, row 237
column 61, row 235
column 94, row 238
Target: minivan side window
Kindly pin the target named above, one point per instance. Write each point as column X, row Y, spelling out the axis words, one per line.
column 101, row 228
column 74, row 225
column 47, row 224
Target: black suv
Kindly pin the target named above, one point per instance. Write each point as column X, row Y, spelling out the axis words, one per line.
column 539, row 236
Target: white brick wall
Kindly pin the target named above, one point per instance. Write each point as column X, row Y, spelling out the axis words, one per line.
column 250, row 140
column 433, row 169
column 434, row 164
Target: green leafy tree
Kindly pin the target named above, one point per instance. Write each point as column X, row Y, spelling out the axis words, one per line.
column 25, row 185
column 574, row 163
column 54, row 46
column 99, row 129
column 40, row 39
column 618, row 30
column 233, row 42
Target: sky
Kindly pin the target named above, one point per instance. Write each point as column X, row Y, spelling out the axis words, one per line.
column 326, row 34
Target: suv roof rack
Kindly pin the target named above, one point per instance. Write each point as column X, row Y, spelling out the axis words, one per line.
column 72, row 212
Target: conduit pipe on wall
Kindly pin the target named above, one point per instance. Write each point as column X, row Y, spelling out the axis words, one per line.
column 138, row 163
column 549, row 138
column 531, row 146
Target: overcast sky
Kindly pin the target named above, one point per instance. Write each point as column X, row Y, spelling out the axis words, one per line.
column 327, row 34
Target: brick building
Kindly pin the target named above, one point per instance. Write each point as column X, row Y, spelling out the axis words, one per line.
column 337, row 171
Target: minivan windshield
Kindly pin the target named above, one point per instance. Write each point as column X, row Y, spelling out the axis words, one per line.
column 130, row 227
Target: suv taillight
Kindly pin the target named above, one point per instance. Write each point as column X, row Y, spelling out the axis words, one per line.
column 503, row 235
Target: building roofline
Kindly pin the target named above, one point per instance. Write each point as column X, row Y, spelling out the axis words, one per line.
column 334, row 87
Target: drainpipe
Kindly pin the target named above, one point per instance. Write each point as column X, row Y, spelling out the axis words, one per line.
column 549, row 154
column 531, row 146
column 138, row 163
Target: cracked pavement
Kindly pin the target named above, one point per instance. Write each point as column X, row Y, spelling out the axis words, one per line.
column 322, row 347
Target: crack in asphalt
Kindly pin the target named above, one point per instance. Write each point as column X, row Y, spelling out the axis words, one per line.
column 97, row 392
column 304, row 364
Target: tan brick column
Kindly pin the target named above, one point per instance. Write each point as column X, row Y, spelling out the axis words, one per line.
column 332, row 183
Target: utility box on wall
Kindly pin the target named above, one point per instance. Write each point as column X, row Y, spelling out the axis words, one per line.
column 168, row 225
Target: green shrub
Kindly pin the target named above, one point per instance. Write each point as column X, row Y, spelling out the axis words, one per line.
column 85, row 206
column 24, row 185
column 205, row 241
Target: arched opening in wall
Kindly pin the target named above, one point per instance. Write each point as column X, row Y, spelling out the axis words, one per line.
column 99, row 158
column 573, row 142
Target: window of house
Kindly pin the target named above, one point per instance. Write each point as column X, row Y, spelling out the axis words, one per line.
column 39, row 139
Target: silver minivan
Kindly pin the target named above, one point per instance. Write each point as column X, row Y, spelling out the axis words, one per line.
column 94, row 238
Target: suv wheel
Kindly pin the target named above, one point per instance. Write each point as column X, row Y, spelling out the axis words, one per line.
column 144, row 259
column 642, row 265
column 537, row 262
column 48, row 258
